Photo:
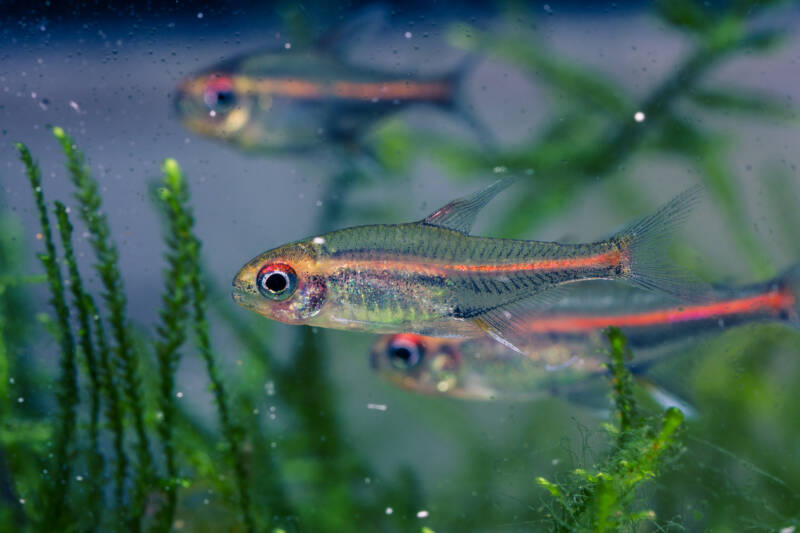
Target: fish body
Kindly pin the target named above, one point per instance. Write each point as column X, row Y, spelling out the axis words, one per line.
column 564, row 345
column 287, row 100
column 431, row 277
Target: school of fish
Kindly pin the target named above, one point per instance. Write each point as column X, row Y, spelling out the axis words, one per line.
column 463, row 316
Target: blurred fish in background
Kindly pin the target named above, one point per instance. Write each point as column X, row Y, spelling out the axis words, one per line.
column 565, row 341
column 291, row 98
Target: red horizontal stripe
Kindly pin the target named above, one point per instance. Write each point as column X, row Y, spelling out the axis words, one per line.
column 775, row 301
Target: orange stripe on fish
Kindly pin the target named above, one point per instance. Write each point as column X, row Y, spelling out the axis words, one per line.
column 772, row 301
column 608, row 259
column 304, row 89
column 392, row 90
column 604, row 260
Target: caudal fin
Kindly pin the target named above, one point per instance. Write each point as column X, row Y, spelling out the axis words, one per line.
column 644, row 244
column 789, row 283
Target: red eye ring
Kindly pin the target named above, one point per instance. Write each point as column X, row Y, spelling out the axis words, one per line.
column 406, row 351
column 276, row 281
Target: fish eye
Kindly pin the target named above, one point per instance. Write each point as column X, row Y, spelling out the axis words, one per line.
column 405, row 353
column 276, row 281
column 219, row 95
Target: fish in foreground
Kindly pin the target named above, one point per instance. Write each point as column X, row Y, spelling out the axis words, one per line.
column 285, row 100
column 564, row 345
column 431, row 277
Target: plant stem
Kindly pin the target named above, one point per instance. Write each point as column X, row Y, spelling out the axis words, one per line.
column 57, row 486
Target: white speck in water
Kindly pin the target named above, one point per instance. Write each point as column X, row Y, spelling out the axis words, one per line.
column 422, row 514
column 389, row 510
column 74, row 105
column 367, row 480
column 212, row 113
column 78, row 478
column 500, row 170
column 22, row 501
column 555, row 461
column 179, row 394
column 20, row 400
column 288, row 46
column 408, row 35
column 159, row 415
column 639, row 116
column 269, row 386
column 11, row 380
column 548, row 9
column 376, row 406
column 273, row 444
column 33, row 95
column 200, row 15
column 789, row 529
column 318, row 240
column 318, row 203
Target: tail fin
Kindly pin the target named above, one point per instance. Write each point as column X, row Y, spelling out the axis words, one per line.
column 789, row 281
column 644, row 244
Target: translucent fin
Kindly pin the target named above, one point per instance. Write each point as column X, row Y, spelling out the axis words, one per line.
column 645, row 243
column 789, row 280
column 508, row 324
column 360, row 27
column 460, row 214
column 665, row 398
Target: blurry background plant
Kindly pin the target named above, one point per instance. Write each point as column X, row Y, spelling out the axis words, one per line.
column 273, row 448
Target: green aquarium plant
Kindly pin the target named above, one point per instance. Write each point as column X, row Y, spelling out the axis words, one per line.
column 603, row 496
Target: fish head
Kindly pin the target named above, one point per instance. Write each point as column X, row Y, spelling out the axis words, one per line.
column 215, row 104
column 283, row 284
column 418, row 363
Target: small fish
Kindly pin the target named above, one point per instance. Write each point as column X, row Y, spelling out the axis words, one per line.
column 563, row 344
column 431, row 277
column 286, row 100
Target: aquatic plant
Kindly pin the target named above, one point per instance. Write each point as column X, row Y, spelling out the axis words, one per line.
column 600, row 497
column 309, row 469
column 55, row 490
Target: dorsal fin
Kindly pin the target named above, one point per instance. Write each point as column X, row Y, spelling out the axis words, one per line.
column 353, row 29
column 460, row 214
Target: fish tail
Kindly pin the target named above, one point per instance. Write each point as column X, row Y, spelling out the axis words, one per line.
column 644, row 245
column 789, row 283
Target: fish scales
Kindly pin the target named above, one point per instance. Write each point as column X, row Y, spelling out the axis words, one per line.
column 563, row 344
column 433, row 277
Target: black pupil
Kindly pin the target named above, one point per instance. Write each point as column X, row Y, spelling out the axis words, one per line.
column 403, row 356
column 275, row 282
column 224, row 98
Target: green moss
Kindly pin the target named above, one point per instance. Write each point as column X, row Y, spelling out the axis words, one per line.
column 603, row 496
column 58, row 475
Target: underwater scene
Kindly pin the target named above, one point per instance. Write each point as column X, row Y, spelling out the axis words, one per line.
column 400, row 267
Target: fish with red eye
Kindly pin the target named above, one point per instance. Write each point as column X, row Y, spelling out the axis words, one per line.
column 424, row 364
column 565, row 344
column 285, row 101
column 432, row 277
